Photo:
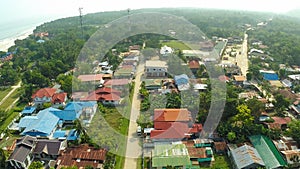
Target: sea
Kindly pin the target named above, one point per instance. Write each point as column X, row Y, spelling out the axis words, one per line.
column 11, row 29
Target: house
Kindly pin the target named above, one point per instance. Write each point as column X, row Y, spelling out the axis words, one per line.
column 182, row 82
column 116, row 83
column 267, row 151
column 94, row 78
column 43, row 95
column 194, row 65
column 46, row 150
column 41, row 125
column 289, row 148
column 246, row 157
column 199, row 155
column 207, row 46
column 124, row 72
column 279, row 123
column 153, row 84
column 220, row 147
column 239, row 79
column 81, row 156
column 134, row 48
column 171, row 125
column 28, row 110
column 165, row 50
column 22, row 156
column 175, row 155
column 49, row 95
column 105, row 95
column 156, row 68
column 200, row 87
column 286, row 83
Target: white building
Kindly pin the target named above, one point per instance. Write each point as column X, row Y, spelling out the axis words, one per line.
column 166, row 50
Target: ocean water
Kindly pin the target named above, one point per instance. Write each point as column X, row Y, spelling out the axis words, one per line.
column 17, row 28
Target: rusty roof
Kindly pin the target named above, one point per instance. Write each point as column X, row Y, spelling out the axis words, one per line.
column 81, row 156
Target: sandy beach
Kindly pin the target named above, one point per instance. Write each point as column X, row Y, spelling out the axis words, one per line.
column 7, row 43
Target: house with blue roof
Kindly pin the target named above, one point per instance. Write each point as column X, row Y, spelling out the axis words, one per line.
column 41, row 125
column 29, row 110
column 182, row 82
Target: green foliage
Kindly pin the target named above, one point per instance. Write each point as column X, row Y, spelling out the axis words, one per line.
column 294, row 130
column 281, row 102
column 66, row 82
column 256, row 107
column 36, row 165
column 231, row 136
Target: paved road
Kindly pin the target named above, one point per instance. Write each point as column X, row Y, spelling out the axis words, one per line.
column 133, row 149
column 242, row 59
column 8, row 94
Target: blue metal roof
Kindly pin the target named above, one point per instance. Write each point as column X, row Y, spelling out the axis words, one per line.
column 26, row 121
column 44, row 124
column 59, row 134
column 73, row 135
column 73, row 106
column 28, row 110
column 181, row 79
column 270, row 76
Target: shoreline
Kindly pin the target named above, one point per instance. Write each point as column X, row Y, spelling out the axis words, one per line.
column 5, row 44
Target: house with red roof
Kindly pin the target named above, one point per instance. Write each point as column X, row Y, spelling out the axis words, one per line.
column 49, row 95
column 278, row 123
column 194, row 65
column 105, row 95
column 173, row 125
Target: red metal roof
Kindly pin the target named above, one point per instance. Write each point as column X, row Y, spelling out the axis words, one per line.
column 172, row 115
column 176, row 131
column 59, row 97
column 196, row 128
column 107, row 94
column 116, row 82
column 90, row 78
column 194, row 64
column 44, row 92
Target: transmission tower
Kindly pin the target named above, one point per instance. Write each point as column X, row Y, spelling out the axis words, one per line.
column 129, row 22
column 81, row 22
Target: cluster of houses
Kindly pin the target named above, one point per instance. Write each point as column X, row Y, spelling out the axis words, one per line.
column 54, row 153
column 46, row 132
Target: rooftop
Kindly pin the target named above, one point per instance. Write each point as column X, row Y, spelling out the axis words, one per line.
column 245, row 156
column 156, row 63
column 81, row 156
column 90, row 77
column 267, row 151
column 172, row 115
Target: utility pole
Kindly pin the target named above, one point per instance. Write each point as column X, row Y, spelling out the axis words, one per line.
column 129, row 22
column 81, row 23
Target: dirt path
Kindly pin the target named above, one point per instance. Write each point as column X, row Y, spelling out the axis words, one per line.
column 242, row 59
column 133, row 149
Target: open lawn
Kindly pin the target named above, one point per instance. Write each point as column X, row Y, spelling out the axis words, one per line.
column 8, row 102
column 8, row 120
column 221, row 162
column 176, row 45
column 4, row 92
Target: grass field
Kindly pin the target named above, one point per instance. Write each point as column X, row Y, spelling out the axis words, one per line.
column 4, row 92
column 8, row 102
column 220, row 162
column 176, row 45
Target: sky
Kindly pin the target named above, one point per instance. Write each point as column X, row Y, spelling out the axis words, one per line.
column 14, row 10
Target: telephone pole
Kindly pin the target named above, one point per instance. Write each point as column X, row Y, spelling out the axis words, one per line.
column 81, row 22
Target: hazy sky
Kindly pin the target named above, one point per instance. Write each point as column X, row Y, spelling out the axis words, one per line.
column 11, row 10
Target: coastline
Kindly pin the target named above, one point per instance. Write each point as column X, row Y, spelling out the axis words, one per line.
column 5, row 44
